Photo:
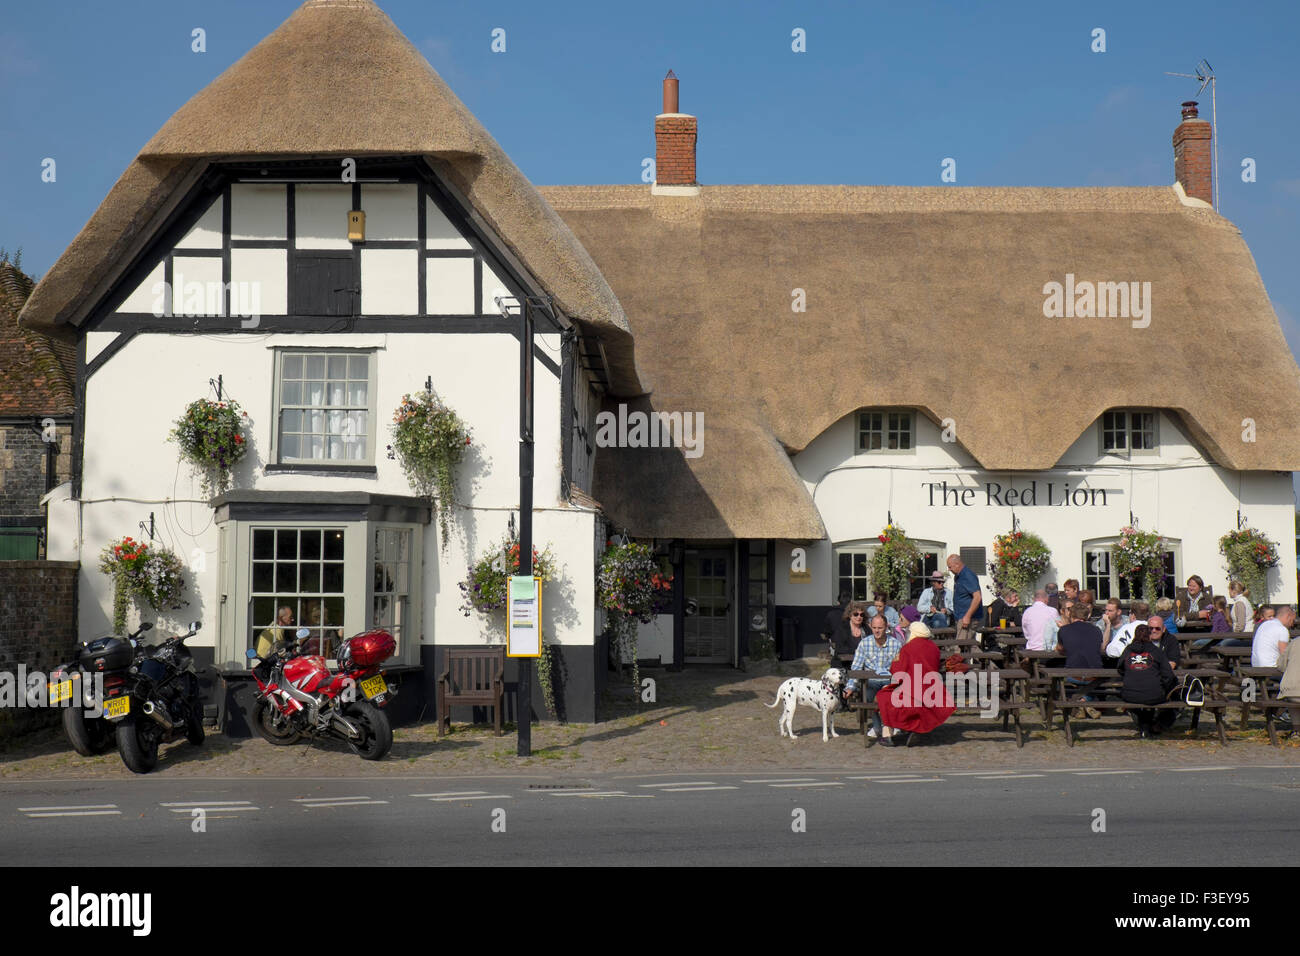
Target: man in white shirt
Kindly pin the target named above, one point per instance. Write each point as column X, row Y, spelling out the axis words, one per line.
column 1271, row 637
column 1122, row 637
column 1035, row 620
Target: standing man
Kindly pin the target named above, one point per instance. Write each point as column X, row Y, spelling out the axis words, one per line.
column 966, row 598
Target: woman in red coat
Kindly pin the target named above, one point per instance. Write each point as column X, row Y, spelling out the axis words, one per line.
column 918, row 701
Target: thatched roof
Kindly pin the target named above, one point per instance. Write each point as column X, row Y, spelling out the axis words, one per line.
column 941, row 288
column 335, row 79
column 35, row 372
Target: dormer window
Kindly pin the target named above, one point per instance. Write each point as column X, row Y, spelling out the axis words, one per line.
column 1128, row 432
column 883, row 431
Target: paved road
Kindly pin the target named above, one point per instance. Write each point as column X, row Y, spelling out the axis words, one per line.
column 1207, row 815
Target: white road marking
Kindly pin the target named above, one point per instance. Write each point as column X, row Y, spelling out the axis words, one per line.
column 1009, row 776
column 1101, row 773
column 679, row 783
column 694, row 789
column 1196, row 769
column 343, row 803
column 888, row 776
column 326, row 799
column 451, row 793
column 823, row 783
column 594, row 793
column 80, row 813
column 917, row 780
column 468, row 796
column 208, row 803
column 782, row 780
column 85, row 806
column 215, row 809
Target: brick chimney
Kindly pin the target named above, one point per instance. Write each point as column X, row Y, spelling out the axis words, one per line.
column 1193, row 166
column 675, row 135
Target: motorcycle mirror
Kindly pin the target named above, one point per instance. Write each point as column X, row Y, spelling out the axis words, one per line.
column 196, row 625
column 251, row 654
column 303, row 633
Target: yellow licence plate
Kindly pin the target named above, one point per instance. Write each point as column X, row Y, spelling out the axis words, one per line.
column 117, row 707
column 374, row 686
column 60, row 691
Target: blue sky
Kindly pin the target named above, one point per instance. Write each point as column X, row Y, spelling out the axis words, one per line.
column 884, row 92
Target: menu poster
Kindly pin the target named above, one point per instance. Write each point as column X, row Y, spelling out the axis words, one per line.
column 524, row 617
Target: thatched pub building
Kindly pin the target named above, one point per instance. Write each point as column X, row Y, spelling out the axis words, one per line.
column 851, row 356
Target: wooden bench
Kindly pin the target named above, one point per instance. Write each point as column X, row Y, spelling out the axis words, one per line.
column 1011, row 699
column 1110, row 682
column 474, row 676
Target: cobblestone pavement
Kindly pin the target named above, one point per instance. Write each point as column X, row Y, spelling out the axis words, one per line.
column 702, row 718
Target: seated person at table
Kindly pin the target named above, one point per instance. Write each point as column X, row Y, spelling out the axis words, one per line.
column 1148, row 678
column 1053, row 595
column 1087, row 598
column 278, row 634
column 1271, row 637
column 1194, row 600
column 903, row 707
column 1120, row 639
column 1007, row 607
column 1289, row 688
column 1165, row 608
column 880, row 606
column 1111, row 620
column 1070, row 590
column 1080, row 642
column 906, row 618
column 851, row 629
column 935, row 603
column 874, row 654
column 1054, row 626
column 1035, row 621
column 1242, row 613
column 1161, row 635
column 1219, row 623
column 835, row 615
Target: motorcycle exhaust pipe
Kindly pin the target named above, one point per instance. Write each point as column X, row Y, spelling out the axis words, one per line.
column 159, row 714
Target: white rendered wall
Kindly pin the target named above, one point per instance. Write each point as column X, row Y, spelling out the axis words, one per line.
column 131, row 469
column 1175, row 492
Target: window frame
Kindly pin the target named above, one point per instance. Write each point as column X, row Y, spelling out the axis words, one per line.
column 1130, row 416
column 1116, row 585
column 277, row 460
column 869, row 548
column 906, row 427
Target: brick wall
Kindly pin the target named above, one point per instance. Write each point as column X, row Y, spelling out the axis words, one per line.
column 38, row 627
column 1193, row 165
column 675, row 150
column 22, row 467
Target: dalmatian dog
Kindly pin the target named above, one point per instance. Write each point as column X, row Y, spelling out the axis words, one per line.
column 822, row 695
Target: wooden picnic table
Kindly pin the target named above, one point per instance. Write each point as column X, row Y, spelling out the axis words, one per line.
column 1108, row 681
column 1012, row 698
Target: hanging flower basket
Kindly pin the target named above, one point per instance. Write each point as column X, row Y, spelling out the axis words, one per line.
column 632, row 586
column 213, row 438
column 1140, row 556
column 1248, row 553
column 430, row 441
column 892, row 563
column 150, row 573
column 1020, row 558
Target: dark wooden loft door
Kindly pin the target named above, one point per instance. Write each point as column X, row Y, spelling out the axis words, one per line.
column 326, row 283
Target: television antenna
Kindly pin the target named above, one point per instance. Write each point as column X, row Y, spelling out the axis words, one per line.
column 1205, row 73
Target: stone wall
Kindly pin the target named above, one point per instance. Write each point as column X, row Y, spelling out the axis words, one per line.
column 38, row 627
column 22, row 466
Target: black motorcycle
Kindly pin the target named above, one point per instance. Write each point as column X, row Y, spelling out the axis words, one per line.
column 164, row 703
column 88, row 725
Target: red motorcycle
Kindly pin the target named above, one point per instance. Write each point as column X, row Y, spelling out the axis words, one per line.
column 299, row 697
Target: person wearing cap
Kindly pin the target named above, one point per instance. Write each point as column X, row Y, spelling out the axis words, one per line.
column 934, row 603
column 917, row 700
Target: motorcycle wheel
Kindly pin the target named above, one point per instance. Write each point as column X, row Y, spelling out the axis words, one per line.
column 274, row 727
column 377, row 733
column 137, row 742
column 194, row 726
column 88, row 737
